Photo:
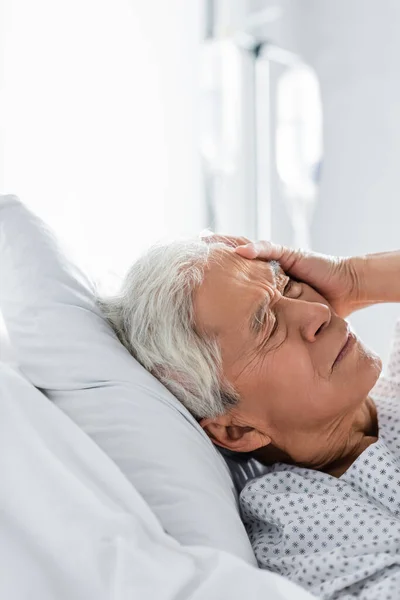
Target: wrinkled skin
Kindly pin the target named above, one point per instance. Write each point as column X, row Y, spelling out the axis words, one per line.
column 297, row 403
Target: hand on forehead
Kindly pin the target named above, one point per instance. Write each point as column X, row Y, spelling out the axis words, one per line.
column 231, row 288
column 236, row 266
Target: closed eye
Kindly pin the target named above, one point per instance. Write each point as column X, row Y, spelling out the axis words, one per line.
column 288, row 286
column 293, row 288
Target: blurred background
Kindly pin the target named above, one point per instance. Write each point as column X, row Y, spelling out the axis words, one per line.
column 125, row 121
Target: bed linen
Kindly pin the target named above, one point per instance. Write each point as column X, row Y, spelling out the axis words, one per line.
column 65, row 347
column 337, row 537
column 72, row 527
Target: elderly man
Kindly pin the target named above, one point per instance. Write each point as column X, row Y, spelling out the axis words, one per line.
column 265, row 362
column 260, row 353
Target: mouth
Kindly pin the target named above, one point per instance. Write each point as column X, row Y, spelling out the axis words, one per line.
column 346, row 347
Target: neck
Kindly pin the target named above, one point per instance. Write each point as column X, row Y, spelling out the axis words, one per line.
column 364, row 433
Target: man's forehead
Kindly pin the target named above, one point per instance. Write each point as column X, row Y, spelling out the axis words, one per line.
column 232, row 287
column 227, row 259
column 230, row 296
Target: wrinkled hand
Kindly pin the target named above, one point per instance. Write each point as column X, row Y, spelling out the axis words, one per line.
column 338, row 279
column 335, row 278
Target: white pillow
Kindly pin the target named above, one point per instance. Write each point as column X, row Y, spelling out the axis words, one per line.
column 66, row 348
column 73, row 528
column 6, row 355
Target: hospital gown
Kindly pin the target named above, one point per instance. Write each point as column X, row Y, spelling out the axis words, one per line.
column 337, row 537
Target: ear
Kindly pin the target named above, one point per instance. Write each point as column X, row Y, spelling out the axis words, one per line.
column 240, row 438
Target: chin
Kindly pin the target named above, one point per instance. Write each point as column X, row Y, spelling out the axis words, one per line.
column 369, row 366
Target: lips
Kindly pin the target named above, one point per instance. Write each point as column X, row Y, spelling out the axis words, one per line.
column 347, row 344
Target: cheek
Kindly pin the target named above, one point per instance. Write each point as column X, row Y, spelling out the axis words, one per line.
column 283, row 389
column 280, row 383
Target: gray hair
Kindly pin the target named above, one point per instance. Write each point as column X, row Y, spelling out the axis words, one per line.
column 153, row 317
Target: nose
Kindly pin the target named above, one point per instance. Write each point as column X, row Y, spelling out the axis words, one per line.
column 310, row 318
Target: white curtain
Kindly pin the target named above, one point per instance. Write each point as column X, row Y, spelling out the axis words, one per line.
column 98, row 105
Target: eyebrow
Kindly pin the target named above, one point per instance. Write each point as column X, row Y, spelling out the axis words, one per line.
column 257, row 318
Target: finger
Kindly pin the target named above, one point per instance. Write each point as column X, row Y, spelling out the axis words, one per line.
column 247, row 251
column 263, row 250
column 292, row 261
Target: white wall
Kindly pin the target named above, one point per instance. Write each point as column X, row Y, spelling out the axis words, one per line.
column 354, row 45
column 98, row 113
column 355, row 48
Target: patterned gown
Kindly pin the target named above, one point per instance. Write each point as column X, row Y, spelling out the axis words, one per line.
column 337, row 537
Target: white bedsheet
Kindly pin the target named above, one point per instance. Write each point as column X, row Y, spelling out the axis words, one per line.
column 73, row 528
